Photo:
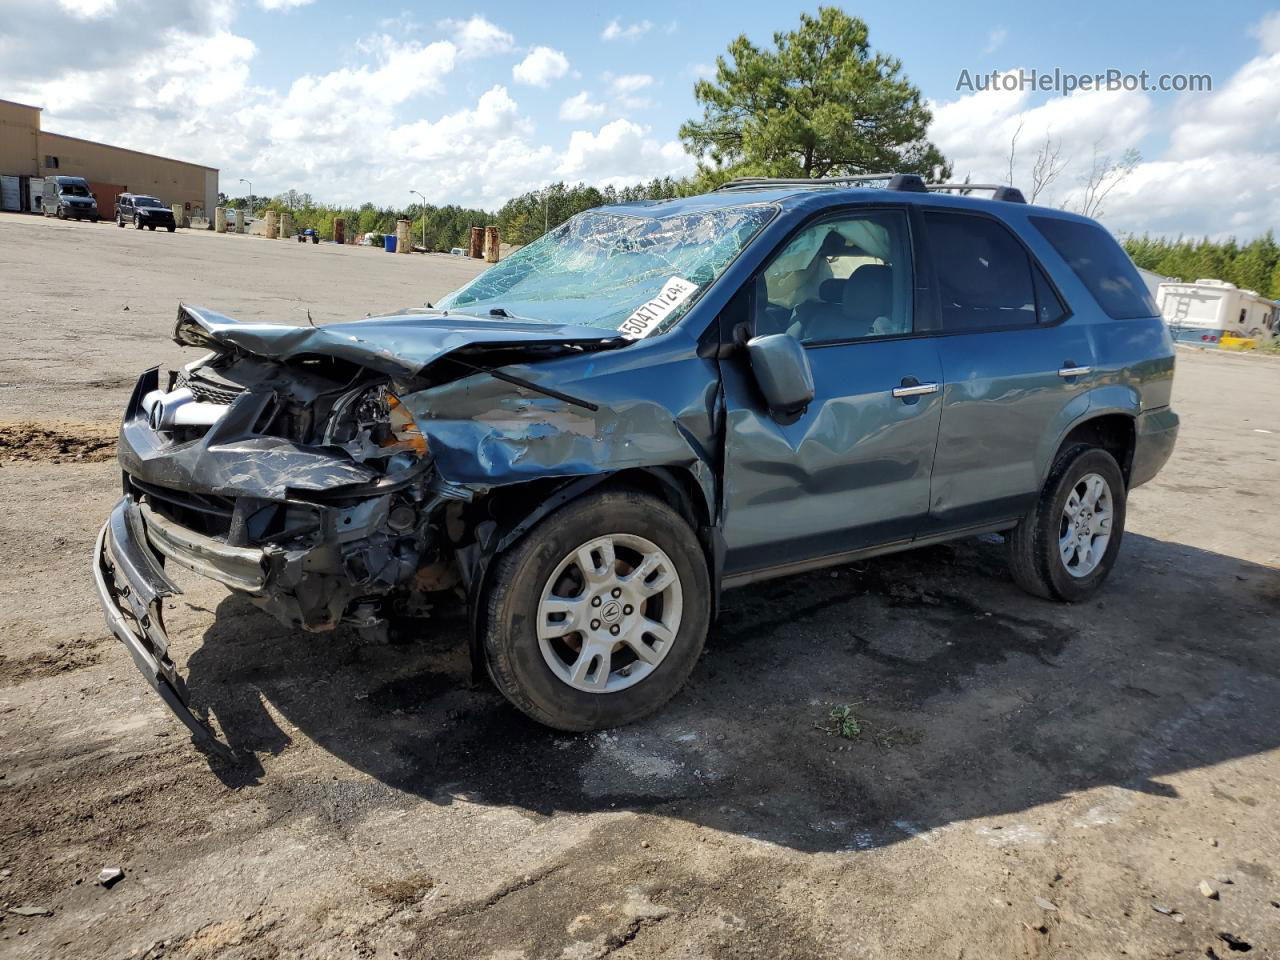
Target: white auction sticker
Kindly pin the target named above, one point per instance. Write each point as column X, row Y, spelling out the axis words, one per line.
column 647, row 318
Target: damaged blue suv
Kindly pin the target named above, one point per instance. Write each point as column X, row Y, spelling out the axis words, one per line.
column 652, row 403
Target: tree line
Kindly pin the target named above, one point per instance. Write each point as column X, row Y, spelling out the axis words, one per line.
column 1251, row 266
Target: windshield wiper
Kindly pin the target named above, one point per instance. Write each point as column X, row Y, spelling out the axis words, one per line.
column 527, row 384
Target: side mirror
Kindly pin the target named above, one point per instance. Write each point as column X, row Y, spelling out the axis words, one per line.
column 782, row 372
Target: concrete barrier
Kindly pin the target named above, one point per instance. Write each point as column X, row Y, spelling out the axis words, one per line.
column 286, row 225
column 220, row 219
column 273, row 224
column 404, row 237
column 239, row 220
column 492, row 244
column 179, row 215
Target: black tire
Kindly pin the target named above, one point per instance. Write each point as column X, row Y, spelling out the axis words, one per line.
column 508, row 628
column 120, row 221
column 151, row 227
column 171, row 229
column 1033, row 553
column 137, row 222
column 61, row 213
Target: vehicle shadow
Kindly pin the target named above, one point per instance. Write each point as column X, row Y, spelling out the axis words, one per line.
column 972, row 700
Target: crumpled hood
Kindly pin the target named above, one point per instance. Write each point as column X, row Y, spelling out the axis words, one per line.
column 399, row 345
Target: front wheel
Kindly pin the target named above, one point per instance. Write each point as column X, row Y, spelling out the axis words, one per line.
column 597, row 617
column 1067, row 545
column 137, row 222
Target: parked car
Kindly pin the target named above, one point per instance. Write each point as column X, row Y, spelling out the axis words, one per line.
column 143, row 210
column 69, row 197
column 458, row 252
column 650, row 404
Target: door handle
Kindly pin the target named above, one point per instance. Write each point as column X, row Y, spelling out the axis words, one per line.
column 1071, row 370
column 913, row 389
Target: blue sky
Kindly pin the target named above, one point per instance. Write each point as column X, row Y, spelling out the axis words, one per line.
column 472, row 104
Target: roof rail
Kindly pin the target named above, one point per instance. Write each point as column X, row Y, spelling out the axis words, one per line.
column 999, row 191
column 747, row 183
column 910, row 182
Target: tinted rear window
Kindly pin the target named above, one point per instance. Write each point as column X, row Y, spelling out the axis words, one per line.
column 1102, row 266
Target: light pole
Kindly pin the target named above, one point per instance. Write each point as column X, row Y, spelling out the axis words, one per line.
column 424, row 220
column 250, row 183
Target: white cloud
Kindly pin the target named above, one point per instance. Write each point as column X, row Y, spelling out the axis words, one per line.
column 627, row 88
column 617, row 31
column 1215, row 177
column 367, row 130
column 580, row 107
column 542, row 66
column 477, row 37
column 974, row 132
column 995, row 40
column 282, row 4
column 88, row 9
column 622, row 152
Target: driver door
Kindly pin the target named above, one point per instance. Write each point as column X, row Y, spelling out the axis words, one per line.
column 852, row 471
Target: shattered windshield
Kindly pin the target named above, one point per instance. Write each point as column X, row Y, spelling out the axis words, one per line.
column 598, row 269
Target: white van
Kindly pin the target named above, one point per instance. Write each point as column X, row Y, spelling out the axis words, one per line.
column 1202, row 313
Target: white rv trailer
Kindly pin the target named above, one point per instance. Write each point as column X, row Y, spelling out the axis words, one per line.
column 1202, row 313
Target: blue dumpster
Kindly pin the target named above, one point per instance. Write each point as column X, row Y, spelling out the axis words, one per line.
column 389, row 243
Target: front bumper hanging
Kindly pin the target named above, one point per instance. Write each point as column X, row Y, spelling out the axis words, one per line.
column 132, row 587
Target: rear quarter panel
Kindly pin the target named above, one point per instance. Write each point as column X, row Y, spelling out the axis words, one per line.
column 1133, row 360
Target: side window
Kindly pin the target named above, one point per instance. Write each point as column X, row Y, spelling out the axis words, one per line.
column 984, row 274
column 1102, row 266
column 841, row 279
column 1049, row 306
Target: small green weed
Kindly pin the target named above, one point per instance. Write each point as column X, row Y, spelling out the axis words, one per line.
column 843, row 722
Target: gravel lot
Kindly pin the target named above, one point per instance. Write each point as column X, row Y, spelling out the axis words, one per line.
column 1031, row 779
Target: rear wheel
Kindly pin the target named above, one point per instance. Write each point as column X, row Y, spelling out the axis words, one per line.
column 120, row 221
column 597, row 617
column 1066, row 547
column 171, row 229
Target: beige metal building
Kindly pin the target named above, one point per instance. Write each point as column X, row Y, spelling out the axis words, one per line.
column 28, row 153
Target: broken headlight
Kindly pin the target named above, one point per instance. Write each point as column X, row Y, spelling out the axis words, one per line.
column 373, row 422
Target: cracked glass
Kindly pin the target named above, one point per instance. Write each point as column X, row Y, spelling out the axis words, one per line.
column 597, row 268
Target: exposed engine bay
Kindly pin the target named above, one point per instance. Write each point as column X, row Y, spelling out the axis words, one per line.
column 354, row 473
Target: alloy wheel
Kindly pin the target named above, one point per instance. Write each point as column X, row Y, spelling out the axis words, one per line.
column 1085, row 527
column 609, row 613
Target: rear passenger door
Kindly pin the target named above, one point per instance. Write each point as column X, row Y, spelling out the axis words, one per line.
column 1016, row 370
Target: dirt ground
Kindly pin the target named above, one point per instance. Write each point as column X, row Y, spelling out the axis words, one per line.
column 1028, row 780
